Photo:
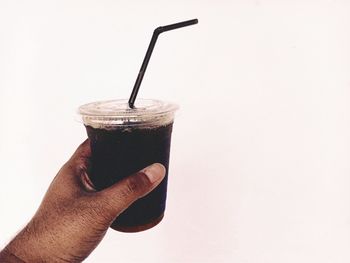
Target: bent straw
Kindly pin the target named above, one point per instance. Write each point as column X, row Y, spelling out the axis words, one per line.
column 154, row 38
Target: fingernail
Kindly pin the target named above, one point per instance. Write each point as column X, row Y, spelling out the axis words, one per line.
column 154, row 172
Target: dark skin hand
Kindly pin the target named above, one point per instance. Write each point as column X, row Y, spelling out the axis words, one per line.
column 73, row 218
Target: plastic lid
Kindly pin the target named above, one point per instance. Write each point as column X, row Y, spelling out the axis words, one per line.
column 116, row 113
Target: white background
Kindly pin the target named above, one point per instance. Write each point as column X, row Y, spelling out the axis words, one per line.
column 260, row 160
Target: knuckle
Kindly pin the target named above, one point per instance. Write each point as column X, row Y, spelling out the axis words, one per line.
column 136, row 184
column 132, row 186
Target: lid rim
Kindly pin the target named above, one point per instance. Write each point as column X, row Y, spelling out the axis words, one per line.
column 109, row 109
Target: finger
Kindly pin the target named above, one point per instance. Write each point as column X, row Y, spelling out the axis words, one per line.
column 75, row 170
column 82, row 153
column 79, row 161
column 119, row 196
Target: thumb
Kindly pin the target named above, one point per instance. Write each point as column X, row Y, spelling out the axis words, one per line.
column 116, row 198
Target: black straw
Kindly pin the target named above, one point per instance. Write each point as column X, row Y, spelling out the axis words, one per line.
column 154, row 38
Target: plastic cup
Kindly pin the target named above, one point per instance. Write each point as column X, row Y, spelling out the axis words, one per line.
column 124, row 141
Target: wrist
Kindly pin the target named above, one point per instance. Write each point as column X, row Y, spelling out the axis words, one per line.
column 24, row 248
column 7, row 256
column 31, row 245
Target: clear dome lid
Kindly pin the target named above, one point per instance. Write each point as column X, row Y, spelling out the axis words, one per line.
column 116, row 113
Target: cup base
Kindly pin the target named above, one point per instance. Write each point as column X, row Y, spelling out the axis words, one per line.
column 133, row 229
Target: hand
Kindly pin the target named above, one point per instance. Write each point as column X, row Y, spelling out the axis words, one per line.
column 73, row 218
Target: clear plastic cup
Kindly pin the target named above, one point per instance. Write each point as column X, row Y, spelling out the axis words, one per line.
column 124, row 141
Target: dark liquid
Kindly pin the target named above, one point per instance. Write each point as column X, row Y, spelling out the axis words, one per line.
column 121, row 152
